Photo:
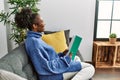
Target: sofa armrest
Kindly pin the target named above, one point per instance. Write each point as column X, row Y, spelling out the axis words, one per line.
column 80, row 56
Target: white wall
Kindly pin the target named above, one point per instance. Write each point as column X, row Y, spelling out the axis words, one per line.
column 76, row 15
column 3, row 38
column 6, row 44
column 10, row 43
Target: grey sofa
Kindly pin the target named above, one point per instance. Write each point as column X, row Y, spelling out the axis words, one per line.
column 19, row 63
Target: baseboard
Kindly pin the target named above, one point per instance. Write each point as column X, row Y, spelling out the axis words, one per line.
column 89, row 62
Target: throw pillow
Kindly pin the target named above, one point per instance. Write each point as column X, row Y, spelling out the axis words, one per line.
column 6, row 75
column 56, row 40
column 67, row 34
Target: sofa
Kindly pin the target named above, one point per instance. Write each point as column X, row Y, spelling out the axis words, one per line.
column 19, row 63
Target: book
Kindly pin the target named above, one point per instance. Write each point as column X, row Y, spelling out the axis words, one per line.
column 74, row 45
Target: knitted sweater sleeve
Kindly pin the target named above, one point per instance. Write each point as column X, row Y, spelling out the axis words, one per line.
column 48, row 67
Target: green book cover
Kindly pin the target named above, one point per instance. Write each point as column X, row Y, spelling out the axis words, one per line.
column 74, row 45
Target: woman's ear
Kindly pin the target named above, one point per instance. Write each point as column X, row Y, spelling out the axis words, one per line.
column 34, row 26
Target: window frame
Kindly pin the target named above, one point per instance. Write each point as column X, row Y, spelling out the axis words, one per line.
column 96, row 21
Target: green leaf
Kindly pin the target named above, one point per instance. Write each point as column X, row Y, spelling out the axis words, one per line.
column 18, row 34
column 13, row 12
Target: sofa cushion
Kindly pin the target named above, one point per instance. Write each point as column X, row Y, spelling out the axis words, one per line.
column 18, row 62
column 6, row 75
column 67, row 34
column 56, row 40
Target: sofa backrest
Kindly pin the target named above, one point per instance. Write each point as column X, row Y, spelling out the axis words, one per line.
column 18, row 62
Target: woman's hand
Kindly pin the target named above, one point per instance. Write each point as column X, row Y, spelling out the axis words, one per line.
column 70, row 55
column 65, row 51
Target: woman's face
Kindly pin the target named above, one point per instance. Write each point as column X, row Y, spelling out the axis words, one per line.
column 39, row 24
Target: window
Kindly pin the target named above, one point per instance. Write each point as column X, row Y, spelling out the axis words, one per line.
column 107, row 19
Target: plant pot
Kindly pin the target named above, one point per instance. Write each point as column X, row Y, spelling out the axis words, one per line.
column 112, row 40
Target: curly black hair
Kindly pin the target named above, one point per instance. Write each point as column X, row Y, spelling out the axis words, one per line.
column 25, row 18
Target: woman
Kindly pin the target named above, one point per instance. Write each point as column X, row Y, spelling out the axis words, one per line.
column 48, row 64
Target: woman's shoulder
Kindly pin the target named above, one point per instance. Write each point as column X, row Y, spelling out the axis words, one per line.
column 32, row 41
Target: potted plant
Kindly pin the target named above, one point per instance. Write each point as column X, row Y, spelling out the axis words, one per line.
column 112, row 38
column 18, row 34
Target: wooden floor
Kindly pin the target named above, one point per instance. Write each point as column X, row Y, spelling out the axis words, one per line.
column 107, row 74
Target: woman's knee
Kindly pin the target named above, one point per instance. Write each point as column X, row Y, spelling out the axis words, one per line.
column 88, row 67
column 84, row 65
column 92, row 69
